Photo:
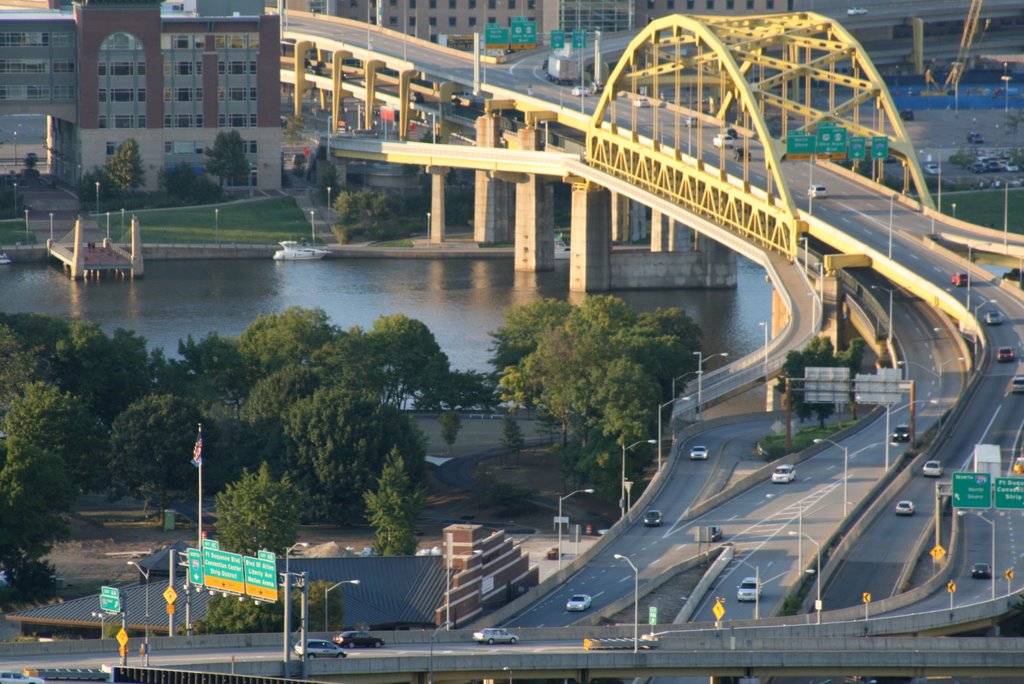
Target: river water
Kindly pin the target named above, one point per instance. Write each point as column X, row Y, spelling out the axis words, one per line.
column 461, row 301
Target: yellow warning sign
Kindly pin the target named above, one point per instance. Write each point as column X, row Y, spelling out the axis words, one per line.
column 938, row 552
column 865, row 597
column 122, row 637
column 170, row 595
column 718, row 610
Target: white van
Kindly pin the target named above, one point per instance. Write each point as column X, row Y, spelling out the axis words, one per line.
column 816, row 191
column 1017, row 384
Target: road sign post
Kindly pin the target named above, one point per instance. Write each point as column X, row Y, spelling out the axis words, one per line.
column 866, row 598
column 261, row 576
column 110, row 599
column 879, row 147
column 972, row 490
column 223, row 571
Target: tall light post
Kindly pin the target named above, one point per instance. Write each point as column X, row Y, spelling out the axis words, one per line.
column 992, row 524
column 660, row 422
column 892, row 202
column 1006, row 216
column 122, row 223
column 846, row 468
column 27, row 239
column 51, row 226
column 509, row 670
column 329, row 200
column 700, row 375
column 817, row 602
column 560, row 500
column 328, row 603
column 433, row 636
column 216, row 225
column 636, row 600
column 145, row 643
column 15, row 186
column 287, row 552
column 954, row 209
column 97, row 201
column 287, row 628
column 312, row 224
column 680, row 377
column 1006, row 78
column 764, row 324
column 622, row 490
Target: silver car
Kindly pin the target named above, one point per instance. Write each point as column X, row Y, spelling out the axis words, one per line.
column 494, row 635
column 319, row 648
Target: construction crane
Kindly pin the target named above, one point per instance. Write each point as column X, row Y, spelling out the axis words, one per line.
column 963, row 54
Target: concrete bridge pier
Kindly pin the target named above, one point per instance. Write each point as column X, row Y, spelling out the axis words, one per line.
column 78, row 259
column 437, row 218
column 637, row 222
column 137, row 267
column 590, row 258
column 621, row 218
column 493, row 210
column 535, row 221
column 659, row 237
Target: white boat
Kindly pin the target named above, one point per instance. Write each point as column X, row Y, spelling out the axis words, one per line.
column 295, row 251
column 562, row 250
column 4, row 259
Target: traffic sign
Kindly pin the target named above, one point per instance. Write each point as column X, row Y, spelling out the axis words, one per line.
column 972, row 490
column 223, row 570
column 858, row 147
column 938, row 552
column 195, row 566
column 719, row 609
column 495, row 37
column 110, row 599
column 1010, row 492
column 523, row 34
column 557, row 39
column 865, row 597
column 831, row 140
column 1008, row 574
column 879, row 147
column 170, row 595
column 579, row 39
column 213, row 543
column 951, row 587
column 261, row 576
column 799, row 146
column 122, row 637
column 652, row 615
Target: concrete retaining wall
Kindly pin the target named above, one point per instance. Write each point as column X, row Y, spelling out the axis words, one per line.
column 639, row 270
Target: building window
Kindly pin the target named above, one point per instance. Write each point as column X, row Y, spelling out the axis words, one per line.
column 111, row 148
column 711, row 4
column 750, row 4
column 492, row 4
column 102, row 121
column 123, row 121
column 101, row 95
column 472, row 20
column 431, row 4
column 141, row 121
column 63, row 67
column 451, row 4
column 433, row 21
column 511, row 4
column 451, row 22
column 393, row 22
column 770, row 4
column 730, row 4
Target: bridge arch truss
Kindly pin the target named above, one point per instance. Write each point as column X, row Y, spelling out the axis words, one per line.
column 767, row 76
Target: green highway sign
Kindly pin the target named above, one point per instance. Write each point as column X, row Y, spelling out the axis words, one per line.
column 652, row 615
column 579, row 39
column 495, row 37
column 1009, row 492
column 195, row 567
column 557, row 39
column 261, row 576
column 223, row 570
column 879, row 147
column 858, row 147
column 831, row 140
column 972, row 490
column 799, row 146
column 110, row 599
column 211, row 544
column 523, row 34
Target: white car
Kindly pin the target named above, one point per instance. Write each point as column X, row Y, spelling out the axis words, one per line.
column 932, row 469
column 725, row 141
column 931, row 169
column 784, row 474
column 319, row 648
column 698, row 453
column 749, row 590
column 580, row 91
column 905, row 507
column 19, row 678
column 856, row 11
column 641, row 102
column 816, row 191
column 578, row 602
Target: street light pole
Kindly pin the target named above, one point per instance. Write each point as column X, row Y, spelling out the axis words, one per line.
column 560, row 500
column 509, row 670
column 892, row 201
column 51, row 226
column 430, row 662
column 700, row 375
column 216, row 225
column 145, row 643
column 817, row 602
column 327, row 603
column 660, row 440
column 764, row 324
column 97, row 201
column 636, row 600
column 622, row 482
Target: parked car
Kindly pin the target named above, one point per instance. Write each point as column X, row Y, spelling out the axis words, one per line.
column 993, row 318
column 975, row 138
column 981, row 571
column 932, row 469
column 1011, row 168
column 905, row 507
column 993, row 166
column 698, row 453
column 494, row 635
column 961, row 279
column 578, row 602
column 1005, row 354
column 580, row 91
column 856, row 11
column 901, row 433
column 641, row 102
column 352, row 639
column 907, row 114
column 977, row 167
column 817, row 190
column 653, row 518
column 319, row 648
column 748, row 590
column 714, row 533
column 784, row 474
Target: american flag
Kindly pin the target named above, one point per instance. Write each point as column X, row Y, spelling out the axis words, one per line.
column 197, row 451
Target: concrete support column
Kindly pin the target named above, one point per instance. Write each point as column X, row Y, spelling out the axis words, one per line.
column 590, row 259
column 78, row 260
column 301, row 48
column 637, row 221
column 370, row 69
column 138, row 264
column 338, row 92
column 437, row 219
column 828, row 287
column 493, row 210
column 535, row 222
column 620, row 217
column 659, row 240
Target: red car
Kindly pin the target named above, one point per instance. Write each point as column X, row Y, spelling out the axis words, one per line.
column 1005, row 354
column 961, row 279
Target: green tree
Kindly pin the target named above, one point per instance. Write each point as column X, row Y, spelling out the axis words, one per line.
column 228, row 615
column 124, row 169
column 363, row 210
column 151, row 449
column 46, row 418
column 327, row 177
column 19, row 367
column 525, row 326
column 512, row 437
column 35, row 496
column 186, row 186
column 451, row 424
column 258, row 512
column 394, row 508
column 817, row 353
column 227, row 160
column 293, row 336
column 408, row 359
column 335, row 611
column 212, row 370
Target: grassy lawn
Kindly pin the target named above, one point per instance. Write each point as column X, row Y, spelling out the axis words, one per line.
column 259, row 221
column 985, row 207
column 12, row 231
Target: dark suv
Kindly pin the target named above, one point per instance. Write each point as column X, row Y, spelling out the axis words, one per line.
column 901, row 433
column 653, row 518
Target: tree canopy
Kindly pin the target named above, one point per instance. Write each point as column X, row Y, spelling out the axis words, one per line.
column 258, row 512
column 227, row 160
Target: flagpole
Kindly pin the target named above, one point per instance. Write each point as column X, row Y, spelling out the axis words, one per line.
column 199, row 454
